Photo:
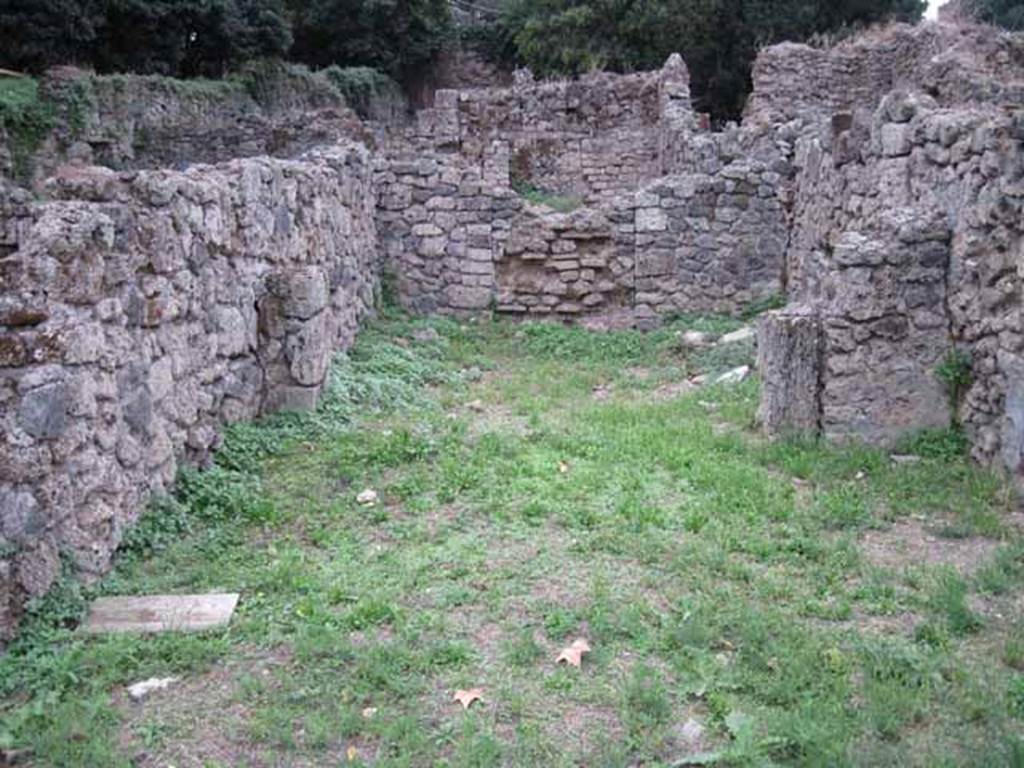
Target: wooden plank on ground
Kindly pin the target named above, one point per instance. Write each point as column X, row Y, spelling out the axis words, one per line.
column 159, row 613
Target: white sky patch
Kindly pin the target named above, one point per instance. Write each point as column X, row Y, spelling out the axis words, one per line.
column 933, row 8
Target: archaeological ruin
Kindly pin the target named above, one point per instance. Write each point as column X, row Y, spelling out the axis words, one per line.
column 177, row 259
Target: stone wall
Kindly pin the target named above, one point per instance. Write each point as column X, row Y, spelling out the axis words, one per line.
column 595, row 138
column 134, row 122
column 442, row 219
column 710, row 243
column 566, row 264
column 907, row 244
column 139, row 312
column 709, row 237
column 956, row 64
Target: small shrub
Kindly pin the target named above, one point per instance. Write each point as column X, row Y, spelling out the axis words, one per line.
column 1015, row 696
column 949, row 601
column 559, row 202
column 955, row 374
column 1013, row 654
column 26, row 120
column 371, row 93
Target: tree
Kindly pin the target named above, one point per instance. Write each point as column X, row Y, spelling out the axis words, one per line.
column 190, row 38
column 183, row 38
column 1002, row 13
column 39, row 33
column 718, row 38
column 394, row 36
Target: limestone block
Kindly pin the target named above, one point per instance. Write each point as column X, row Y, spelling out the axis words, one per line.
column 896, row 139
column 651, row 220
column 789, row 360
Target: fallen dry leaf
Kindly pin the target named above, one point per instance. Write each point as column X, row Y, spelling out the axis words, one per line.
column 476, row 405
column 369, row 712
column 351, row 753
column 563, row 467
column 573, row 654
column 367, row 497
column 467, row 697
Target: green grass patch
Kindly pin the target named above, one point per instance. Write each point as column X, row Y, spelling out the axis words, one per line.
column 718, row 578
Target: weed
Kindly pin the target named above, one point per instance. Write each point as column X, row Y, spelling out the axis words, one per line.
column 26, row 120
column 558, row 202
column 955, row 374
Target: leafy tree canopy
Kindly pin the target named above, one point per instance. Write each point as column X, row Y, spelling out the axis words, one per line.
column 394, row 36
column 174, row 37
column 718, row 38
column 1003, row 13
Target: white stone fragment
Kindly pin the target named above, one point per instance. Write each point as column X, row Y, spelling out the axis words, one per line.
column 140, row 690
column 735, row 376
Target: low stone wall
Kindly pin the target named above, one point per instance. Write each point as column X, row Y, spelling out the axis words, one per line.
column 140, row 311
column 459, row 240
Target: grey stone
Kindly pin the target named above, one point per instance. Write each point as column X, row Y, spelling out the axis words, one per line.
column 21, row 517
column 43, row 411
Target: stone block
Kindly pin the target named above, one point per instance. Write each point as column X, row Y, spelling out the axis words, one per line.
column 651, row 220
column 42, row 412
column 790, row 348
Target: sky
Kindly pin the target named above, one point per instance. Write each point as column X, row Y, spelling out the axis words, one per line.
column 933, row 8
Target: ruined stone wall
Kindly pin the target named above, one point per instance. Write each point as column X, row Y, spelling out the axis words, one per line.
column 139, row 312
column 566, row 264
column 906, row 244
column 710, row 236
column 954, row 64
column 134, row 122
column 595, row 138
column 710, row 243
column 442, row 219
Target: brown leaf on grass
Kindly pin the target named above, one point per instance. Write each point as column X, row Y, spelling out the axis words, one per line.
column 351, row 753
column 563, row 467
column 467, row 697
column 573, row 654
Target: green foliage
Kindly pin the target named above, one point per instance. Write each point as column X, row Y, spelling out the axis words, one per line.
column 955, row 374
column 182, row 38
column 760, row 306
column 397, row 37
column 275, row 84
column 718, row 38
column 25, row 120
column 934, row 444
column 40, row 33
column 368, row 91
column 1008, row 14
column 553, row 200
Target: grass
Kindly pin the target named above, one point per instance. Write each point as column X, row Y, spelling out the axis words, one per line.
column 557, row 202
column 734, row 614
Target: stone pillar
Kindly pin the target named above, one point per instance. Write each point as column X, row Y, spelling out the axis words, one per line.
column 789, row 358
column 295, row 344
